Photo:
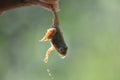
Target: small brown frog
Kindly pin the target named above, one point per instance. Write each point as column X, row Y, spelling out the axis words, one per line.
column 54, row 35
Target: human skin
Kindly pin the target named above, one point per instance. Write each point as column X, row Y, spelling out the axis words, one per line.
column 12, row 4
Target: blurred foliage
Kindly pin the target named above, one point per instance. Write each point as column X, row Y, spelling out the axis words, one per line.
column 91, row 30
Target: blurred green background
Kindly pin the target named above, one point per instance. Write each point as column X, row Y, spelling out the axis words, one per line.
column 91, row 30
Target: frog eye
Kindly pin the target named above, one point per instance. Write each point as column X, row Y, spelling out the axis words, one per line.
column 63, row 50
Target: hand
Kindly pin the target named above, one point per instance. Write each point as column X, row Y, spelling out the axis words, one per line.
column 12, row 4
column 55, row 4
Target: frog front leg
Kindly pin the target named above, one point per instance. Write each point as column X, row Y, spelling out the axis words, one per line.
column 49, row 34
column 48, row 53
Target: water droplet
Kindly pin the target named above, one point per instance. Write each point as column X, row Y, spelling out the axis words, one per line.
column 63, row 56
column 50, row 75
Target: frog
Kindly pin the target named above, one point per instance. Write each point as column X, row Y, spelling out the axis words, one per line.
column 55, row 36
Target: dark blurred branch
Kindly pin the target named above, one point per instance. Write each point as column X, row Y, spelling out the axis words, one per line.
column 12, row 4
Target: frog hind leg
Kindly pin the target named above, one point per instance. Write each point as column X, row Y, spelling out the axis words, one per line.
column 49, row 34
